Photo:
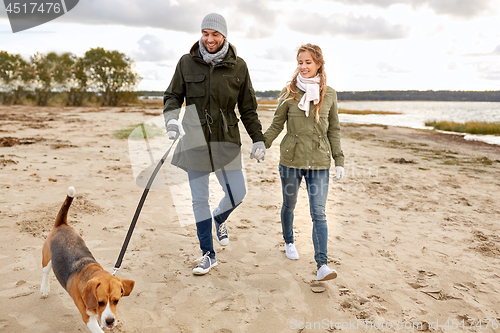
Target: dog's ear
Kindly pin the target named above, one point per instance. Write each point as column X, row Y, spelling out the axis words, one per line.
column 90, row 294
column 127, row 286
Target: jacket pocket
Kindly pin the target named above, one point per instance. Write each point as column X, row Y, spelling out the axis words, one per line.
column 233, row 83
column 233, row 133
column 196, row 131
column 195, row 85
column 324, row 151
column 229, row 127
column 287, row 147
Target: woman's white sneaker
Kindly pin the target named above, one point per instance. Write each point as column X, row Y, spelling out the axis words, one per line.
column 291, row 251
column 325, row 273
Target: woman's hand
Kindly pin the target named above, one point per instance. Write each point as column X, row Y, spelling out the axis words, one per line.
column 258, row 151
column 339, row 173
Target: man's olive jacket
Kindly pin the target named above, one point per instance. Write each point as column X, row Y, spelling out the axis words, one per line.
column 211, row 93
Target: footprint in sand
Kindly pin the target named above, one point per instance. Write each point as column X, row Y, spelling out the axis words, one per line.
column 317, row 287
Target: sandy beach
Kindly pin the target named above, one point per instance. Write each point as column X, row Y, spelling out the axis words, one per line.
column 413, row 233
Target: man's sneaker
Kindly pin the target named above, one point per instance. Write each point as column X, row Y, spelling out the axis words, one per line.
column 325, row 273
column 205, row 264
column 291, row 251
column 221, row 231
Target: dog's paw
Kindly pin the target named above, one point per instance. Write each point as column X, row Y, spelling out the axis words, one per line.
column 45, row 290
column 45, row 294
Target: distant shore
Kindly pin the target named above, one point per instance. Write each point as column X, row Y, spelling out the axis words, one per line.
column 407, row 95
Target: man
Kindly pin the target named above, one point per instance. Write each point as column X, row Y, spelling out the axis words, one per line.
column 212, row 80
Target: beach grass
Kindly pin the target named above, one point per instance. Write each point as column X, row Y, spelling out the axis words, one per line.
column 136, row 132
column 472, row 127
column 267, row 101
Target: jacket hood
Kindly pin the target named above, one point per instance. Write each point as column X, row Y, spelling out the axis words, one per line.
column 229, row 60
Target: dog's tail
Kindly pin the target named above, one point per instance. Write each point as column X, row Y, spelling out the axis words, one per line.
column 62, row 217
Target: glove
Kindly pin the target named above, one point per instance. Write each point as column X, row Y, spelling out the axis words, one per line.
column 258, row 151
column 174, row 129
column 339, row 173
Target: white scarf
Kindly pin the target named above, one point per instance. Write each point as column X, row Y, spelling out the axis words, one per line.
column 311, row 88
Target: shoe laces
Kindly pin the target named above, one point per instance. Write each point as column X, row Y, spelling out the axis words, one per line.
column 222, row 229
column 204, row 259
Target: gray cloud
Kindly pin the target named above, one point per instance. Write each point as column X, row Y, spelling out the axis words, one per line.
column 153, row 75
column 152, row 48
column 457, row 8
column 185, row 15
column 252, row 16
column 355, row 27
column 279, row 53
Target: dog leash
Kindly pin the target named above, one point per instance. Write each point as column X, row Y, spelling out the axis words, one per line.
column 139, row 208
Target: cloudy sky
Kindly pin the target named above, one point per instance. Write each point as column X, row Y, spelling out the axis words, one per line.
column 367, row 44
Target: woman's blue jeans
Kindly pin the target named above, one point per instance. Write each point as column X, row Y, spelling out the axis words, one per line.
column 317, row 190
column 233, row 185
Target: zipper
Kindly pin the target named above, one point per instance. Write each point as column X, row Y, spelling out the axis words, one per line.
column 208, row 117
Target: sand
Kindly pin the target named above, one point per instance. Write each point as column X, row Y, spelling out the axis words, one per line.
column 413, row 233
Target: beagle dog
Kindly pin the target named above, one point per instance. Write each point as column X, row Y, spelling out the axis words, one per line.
column 96, row 292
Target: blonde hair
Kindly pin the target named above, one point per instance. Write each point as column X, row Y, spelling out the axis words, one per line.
column 291, row 86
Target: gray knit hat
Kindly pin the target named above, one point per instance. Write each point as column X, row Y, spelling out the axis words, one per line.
column 215, row 22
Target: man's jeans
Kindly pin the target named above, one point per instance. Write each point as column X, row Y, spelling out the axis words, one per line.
column 317, row 190
column 233, row 185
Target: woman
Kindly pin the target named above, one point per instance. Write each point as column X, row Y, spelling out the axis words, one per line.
column 309, row 107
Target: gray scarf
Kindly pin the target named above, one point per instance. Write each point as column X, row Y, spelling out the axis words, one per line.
column 214, row 58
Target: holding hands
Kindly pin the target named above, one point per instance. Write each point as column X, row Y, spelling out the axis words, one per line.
column 258, row 151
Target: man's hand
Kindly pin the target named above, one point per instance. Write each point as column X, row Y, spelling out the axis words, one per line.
column 339, row 173
column 174, row 129
column 258, row 151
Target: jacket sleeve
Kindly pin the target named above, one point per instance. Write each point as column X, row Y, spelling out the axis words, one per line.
column 247, row 107
column 280, row 116
column 334, row 133
column 173, row 97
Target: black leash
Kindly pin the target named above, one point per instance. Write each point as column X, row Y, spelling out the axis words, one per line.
column 228, row 187
column 139, row 208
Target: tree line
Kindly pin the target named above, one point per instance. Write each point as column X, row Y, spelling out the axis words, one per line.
column 405, row 95
column 100, row 75
column 417, row 95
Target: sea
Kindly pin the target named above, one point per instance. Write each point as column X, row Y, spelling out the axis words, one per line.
column 415, row 114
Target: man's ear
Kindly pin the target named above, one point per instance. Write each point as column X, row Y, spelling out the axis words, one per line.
column 90, row 294
column 127, row 286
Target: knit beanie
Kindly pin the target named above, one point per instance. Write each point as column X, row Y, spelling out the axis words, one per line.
column 215, row 22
